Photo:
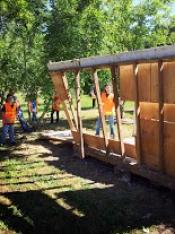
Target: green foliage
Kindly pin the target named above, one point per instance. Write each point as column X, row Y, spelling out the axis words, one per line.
column 34, row 32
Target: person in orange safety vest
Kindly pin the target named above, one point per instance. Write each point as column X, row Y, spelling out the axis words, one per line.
column 107, row 98
column 55, row 108
column 9, row 111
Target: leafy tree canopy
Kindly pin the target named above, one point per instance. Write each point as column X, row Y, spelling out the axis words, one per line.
column 36, row 31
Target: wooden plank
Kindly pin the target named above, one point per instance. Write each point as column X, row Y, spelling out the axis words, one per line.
column 59, row 85
column 114, row 146
column 154, row 90
column 169, row 112
column 150, row 145
column 100, row 107
column 101, row 155
column 149, row 111
column 137, row 114
column 130, row 150
column 144, row 82
column 126, row 82
column 147, row 82
column 169, row 148
column 69, row 119
column 94, row 141
column 74, row 118
column 80, row 128
column 115, row 76
column 76, row 136
column 161, row 117
column 169, row 82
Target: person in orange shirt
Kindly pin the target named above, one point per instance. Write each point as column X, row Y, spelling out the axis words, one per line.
column 33, row 109
column 107, row 98
column 9, row 111
column 55, row 108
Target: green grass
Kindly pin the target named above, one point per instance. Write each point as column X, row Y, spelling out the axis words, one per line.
column 44, row 189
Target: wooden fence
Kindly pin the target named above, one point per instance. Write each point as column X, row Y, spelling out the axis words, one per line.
column 146, row 77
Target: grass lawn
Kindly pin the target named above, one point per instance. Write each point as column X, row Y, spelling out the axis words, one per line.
column 45, row 188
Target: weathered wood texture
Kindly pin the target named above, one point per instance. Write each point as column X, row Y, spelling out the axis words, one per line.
column 147, row 82
column 138, row 141
column 157, row 111
column 152, row 88
column 60, row 85
column 164, row 52
column 113, row 146
column 161, row 116
column 115, row 83
column 148, row 78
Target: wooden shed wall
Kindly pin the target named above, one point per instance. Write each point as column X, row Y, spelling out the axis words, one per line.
column 148, row 93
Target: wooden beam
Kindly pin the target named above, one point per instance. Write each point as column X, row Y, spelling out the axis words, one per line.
column 115, row 76
column 69, row 119
column 74, row 118
column 80, row 128
column 147, row 55
column 137, row 114
column 100, row 107
column 161, row 116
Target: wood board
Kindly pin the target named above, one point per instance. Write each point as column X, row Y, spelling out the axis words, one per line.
column 149, row 141
column 60, row 85
column 148, row 82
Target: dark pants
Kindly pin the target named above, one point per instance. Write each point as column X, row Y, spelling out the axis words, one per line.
column 57, row 116
column 8, row 129
column 93, row 102
column 34, row 117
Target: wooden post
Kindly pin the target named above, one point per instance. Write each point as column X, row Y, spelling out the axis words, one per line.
column 73, row 113
column 137, row 113
column 161, row 116
column 69, row 119
column 70, row 101
column 115, row 75
column 82, row 153
column 100, row 107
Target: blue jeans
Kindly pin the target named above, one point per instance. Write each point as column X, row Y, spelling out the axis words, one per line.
column 111, row 125
column 8, row 129
column 34, row 118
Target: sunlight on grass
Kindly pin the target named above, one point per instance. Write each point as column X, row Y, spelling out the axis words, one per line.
column 61, row 202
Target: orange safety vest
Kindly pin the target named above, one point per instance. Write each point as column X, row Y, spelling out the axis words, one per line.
column 9, row 115
column 56, row 103
column 108, row 103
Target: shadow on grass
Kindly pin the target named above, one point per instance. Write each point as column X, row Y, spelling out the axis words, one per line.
column 122, row 207
column 116, row 207
column 84, row 211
